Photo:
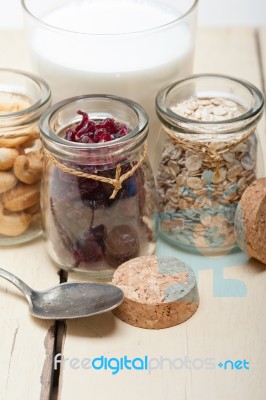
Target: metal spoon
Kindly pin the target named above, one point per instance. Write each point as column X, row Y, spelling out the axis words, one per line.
column 68, row 300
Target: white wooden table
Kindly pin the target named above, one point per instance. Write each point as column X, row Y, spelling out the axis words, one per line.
column 228, row 325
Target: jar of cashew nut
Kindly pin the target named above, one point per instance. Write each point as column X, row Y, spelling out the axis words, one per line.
column 208, row 158
column 23, row 98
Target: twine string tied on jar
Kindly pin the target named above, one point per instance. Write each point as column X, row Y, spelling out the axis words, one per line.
column 210, row 151
column 115, row 182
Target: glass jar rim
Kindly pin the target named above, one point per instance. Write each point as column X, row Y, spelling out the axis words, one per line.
column 141, row 128
column 44, row 98
column 167, row 115
column 134, row 33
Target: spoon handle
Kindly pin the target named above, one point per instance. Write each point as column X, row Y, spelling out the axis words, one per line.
column 17, row 282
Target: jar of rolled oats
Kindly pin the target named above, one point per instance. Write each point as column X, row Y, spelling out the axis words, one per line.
column 209, row 153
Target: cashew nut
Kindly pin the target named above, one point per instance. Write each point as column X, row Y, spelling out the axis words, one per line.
column 11, row 107
column 28, row 134
column 7, row 158
column 33, row 209
column 12, row 142
column 7, row 181
column 21, row 197
column 28, row 167
column 30, row 142
column 13, row 224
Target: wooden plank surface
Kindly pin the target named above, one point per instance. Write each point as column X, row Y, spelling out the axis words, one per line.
column 26, row 343
column 13, row 50
column 262, row 43
column 230, row 51
column 223, row 328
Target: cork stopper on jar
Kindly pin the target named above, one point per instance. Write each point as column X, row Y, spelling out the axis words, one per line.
column 159, row 292
column 250, row 218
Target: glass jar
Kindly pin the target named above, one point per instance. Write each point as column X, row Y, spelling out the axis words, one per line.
column 23, row 98
column 92, row 223
column 144, row 44
column 208, row 158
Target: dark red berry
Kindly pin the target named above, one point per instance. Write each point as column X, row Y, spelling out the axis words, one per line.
column 83, row 123
column 86, row 186
column 88, row 250
column 70, row 135
column 123, row 131
column 89, row 131
column 86, row 139
column 99, row 232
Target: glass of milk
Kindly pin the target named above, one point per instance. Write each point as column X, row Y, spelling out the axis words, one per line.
column 128, row 48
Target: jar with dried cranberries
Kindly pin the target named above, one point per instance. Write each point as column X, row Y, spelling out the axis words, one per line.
column 98, row 197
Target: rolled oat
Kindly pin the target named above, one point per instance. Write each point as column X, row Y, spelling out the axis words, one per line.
column 202, row 194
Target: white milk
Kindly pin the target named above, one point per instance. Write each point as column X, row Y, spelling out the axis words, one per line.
column 102, row 60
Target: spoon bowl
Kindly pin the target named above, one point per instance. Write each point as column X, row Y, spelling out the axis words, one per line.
column 68, row 300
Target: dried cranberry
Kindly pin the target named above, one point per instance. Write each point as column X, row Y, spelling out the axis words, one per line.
column 88, row 250
column 110, row 125
column 86, row 186
column 89, row 131
column 70, row 135
column 99, row 232
column 123, row 131
column 81, row 127
column 101, row 135
column 86, row 139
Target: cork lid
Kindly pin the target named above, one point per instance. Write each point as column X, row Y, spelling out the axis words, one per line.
column 159, row 292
